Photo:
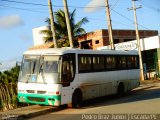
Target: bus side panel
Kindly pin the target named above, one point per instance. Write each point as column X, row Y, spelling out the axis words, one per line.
column 97, row 84
column 100, row 83
column 134, row 79
column 66, row 96
column 67, row 91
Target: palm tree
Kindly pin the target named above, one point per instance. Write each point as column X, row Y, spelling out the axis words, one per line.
column 61, row 28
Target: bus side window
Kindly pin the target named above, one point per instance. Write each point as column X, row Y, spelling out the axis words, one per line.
column 68, row 68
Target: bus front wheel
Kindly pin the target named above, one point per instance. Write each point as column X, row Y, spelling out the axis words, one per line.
column 77, row 99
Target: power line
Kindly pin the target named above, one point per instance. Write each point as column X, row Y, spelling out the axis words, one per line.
column 89, row 18
column 122, row 23
column 115, row 3
column 22, row 9
column 24, row 3
column 122, row 15
column 129, row 19
column 47, row 5
column 150, row 7
column 35, row 4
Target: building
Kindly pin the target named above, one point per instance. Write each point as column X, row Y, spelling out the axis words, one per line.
column 99, row 38
column 95, row 39
column 38, row 36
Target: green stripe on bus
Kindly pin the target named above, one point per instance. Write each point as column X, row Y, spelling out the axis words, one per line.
column 39, row 99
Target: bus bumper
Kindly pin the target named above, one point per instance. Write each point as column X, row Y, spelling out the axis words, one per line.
column 40, row 99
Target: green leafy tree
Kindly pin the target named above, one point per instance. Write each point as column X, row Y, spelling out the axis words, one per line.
column 8, row 88
column 61, row 28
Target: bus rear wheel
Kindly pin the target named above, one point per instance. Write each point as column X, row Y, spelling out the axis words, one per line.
column 120, row 90
column 77, row 99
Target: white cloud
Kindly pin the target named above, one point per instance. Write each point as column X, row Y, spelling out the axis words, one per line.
column 7, row 65
column 10, row 21
column 94, row 5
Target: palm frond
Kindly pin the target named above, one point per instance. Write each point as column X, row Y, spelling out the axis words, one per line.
column 48, row 39
column 79, row 31
column 46, row 32
column 60, row 18
column 72, row 17
column 81, row 22
column 61, row 27
column 48, row 21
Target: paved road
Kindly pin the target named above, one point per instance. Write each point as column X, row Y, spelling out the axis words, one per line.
column 136, row 102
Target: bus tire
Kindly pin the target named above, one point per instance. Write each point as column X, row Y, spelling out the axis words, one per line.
column 120, row 90
column 77, row 99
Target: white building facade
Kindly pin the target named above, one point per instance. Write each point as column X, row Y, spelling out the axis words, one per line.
column 38, row 37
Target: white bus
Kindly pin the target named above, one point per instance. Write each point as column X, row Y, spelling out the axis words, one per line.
column 69, row 76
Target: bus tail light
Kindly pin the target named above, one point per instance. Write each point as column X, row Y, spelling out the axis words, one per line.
column 57, row 92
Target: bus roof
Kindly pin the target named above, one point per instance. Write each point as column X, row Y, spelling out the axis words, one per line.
column 61, row 51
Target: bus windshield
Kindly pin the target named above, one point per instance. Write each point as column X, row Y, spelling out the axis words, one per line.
column 36, row 69
column 48, row 71
column 29, row 68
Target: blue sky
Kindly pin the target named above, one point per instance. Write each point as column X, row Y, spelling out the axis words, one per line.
column 17, row 20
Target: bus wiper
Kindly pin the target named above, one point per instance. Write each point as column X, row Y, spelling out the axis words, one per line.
column 28, row 77
column 33, row 68
column 42, row 74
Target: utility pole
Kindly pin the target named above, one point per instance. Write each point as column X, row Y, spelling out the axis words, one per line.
column 109, row 25
column 70, row 36
column 134, row 8
column 52, row 23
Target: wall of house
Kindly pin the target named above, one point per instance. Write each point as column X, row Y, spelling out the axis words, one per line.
column 95, row 37
column 100, row 38
column 38, row 36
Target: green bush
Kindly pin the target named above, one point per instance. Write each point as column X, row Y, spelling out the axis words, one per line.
column 8, row 88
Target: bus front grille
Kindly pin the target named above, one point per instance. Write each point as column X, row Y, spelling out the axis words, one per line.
column 30, row 91
column 41, row 92
column 36, row 99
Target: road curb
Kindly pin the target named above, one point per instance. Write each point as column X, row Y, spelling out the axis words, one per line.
column 31, row 115
column 9, row 115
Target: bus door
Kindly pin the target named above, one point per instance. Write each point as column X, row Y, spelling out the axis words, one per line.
column 67, row 76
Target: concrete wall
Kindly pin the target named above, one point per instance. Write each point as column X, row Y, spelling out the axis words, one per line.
column 120, row 35
column 37, row 36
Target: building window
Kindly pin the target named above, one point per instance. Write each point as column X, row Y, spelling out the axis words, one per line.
column 97, row 42
column 126, row 40
column 116, row 41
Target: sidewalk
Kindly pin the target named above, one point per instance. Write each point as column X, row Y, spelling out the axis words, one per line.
column 150, row 81
column 27, row 112
column 35, row 110
column 146, row 84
